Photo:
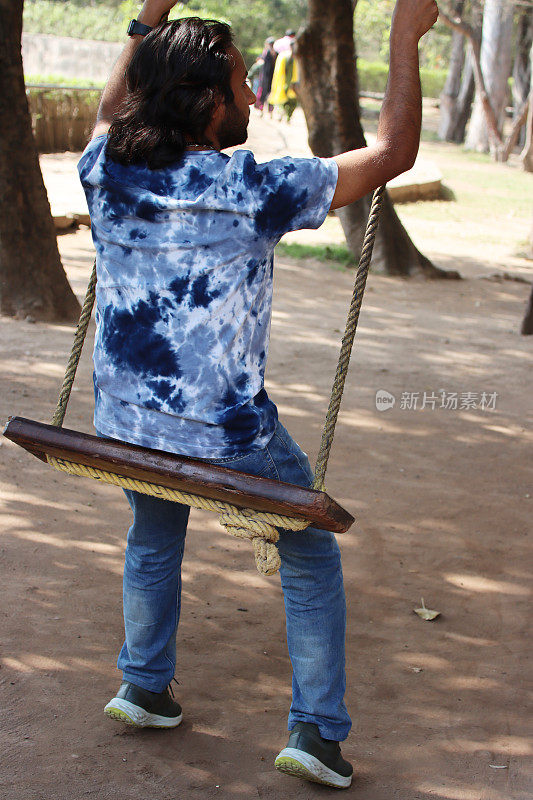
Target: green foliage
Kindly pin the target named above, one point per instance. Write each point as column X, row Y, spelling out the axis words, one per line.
column 372, row 75
column 435, row 48
column 373, row 78
column 81, row 98
column 83, row 21
column 372, row 25
column 60, row 80
column 253, row 22
column 335, row 254
column 106, row 20
column 432, row 81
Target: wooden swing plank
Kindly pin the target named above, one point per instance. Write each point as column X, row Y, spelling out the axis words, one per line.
column 179, row 472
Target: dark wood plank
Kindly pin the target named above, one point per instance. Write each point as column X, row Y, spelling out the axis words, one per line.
column 179, row 472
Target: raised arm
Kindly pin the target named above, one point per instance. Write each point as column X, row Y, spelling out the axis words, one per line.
column 152, row 13
column 362, row 171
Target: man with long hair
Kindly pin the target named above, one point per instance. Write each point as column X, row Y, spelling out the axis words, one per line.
column 184, row 236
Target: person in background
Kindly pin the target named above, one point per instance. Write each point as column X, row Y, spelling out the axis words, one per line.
column 269, row 56
column 254, row 77
column 283, row 44
column 284, row 83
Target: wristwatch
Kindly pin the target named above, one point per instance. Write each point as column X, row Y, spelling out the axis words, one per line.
column 138, row 28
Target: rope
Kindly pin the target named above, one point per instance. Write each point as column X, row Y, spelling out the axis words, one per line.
column 260, row 527
column 347, row 340
column 75, row 353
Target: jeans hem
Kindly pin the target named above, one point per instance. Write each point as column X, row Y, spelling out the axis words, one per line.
column 137, row 680
column 335, row 733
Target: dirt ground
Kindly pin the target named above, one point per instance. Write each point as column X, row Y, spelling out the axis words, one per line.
column 443, row 501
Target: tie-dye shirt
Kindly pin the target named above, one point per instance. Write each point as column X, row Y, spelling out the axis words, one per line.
column 184, row 262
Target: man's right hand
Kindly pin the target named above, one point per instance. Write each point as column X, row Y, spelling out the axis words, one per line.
column 155, row 11
column 413, row 18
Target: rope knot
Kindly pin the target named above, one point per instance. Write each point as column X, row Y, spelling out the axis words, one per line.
column 262, row 534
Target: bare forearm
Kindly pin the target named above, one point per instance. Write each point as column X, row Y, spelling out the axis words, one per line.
column 152, row 12
column 115, row 88
column 401, row 114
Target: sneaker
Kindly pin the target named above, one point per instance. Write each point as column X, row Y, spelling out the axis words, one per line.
column 143, row 709
column 309, row 756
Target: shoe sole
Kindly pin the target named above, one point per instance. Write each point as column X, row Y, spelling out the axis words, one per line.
column 130, row 714
column 303, row 765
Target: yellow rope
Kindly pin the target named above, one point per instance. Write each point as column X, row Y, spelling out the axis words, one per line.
column 245, row 523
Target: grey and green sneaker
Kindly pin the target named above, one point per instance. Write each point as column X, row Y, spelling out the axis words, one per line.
column 143, row 709
column 309, row 756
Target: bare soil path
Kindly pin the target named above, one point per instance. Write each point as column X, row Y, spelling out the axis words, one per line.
column 443, row 500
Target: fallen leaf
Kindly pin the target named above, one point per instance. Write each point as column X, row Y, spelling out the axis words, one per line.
column 426, row 613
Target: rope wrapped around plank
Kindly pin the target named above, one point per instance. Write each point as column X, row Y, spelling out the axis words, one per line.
column 260, row 527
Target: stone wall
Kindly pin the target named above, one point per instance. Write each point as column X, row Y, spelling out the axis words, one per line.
column 82, row 59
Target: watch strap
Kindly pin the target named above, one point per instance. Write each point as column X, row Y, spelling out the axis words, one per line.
column 136, row 28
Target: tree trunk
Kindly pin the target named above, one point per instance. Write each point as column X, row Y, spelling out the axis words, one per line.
column 526, row 328
column 450, row 92
column 463, row 104
column 514, row 133
column 32, row 280
column 329, row 95
column 522, row 65
column 495, row 58
column 458, row 106
column 452, row 87
column 526, row 156
column 458, row 93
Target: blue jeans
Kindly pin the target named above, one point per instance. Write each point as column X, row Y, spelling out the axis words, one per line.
column 311, row 578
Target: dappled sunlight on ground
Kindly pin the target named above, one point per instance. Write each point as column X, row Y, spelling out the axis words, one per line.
column 477, row 583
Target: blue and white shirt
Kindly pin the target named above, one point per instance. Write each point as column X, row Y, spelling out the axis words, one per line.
column 184, row 263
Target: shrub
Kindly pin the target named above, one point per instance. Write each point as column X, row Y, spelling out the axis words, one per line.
column 373, row 78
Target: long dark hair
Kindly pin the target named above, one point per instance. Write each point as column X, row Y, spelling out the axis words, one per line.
column 176, row 76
